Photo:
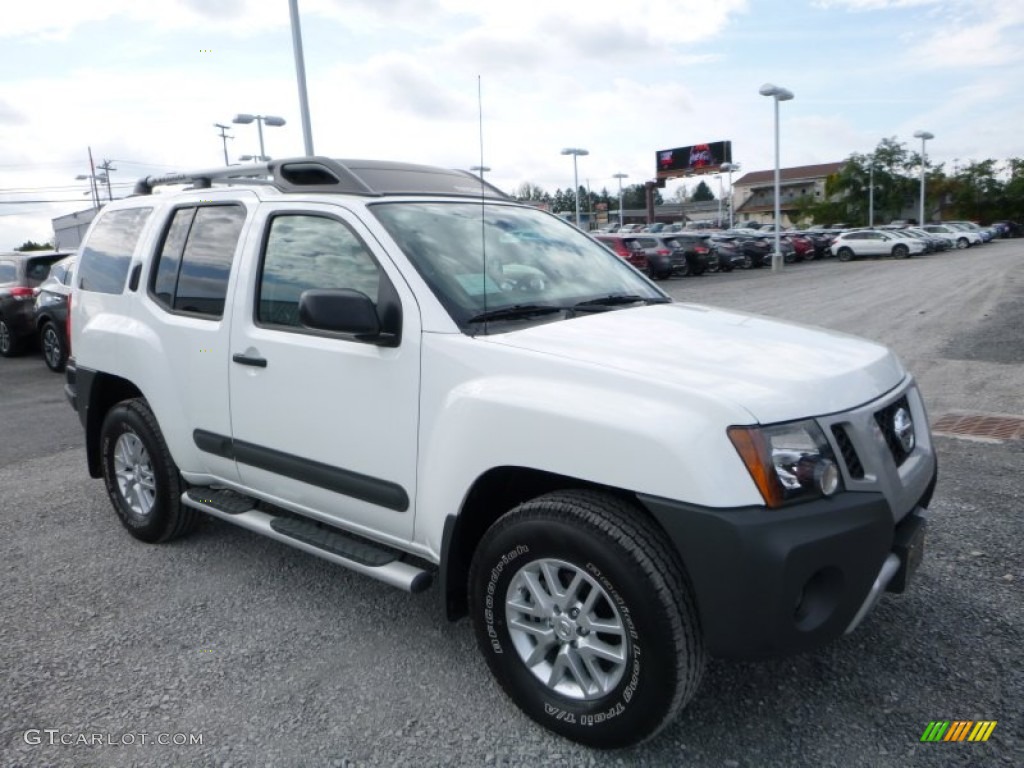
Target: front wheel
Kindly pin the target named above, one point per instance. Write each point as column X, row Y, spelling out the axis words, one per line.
column 142, row 479
column 586, row 618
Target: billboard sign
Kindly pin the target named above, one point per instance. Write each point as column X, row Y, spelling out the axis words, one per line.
column 692, row 160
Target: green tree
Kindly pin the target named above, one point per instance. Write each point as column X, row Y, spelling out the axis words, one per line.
column 30, row 245
column 702, row 193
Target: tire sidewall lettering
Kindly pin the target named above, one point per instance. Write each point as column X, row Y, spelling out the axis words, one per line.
column 490, row 615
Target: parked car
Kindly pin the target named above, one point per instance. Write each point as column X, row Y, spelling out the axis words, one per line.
column 933, row 243
column 694, row 250
column 611, row 486
column 625, row 250
column 50, row 315
column 859, row 243
column 759, row 246
column 20, row 275
column 726, row 254
column 987, row 235
column 1008, row 228
column 957, row 238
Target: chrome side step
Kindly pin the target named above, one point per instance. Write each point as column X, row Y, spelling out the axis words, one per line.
column 331, row 544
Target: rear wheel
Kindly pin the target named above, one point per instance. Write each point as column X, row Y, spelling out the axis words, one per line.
column 142, row 479
column 55, row 353
column 900, row 251
column 10, row 345
column 962, row 243
column 747, row 262
column 586, row 618
column 845, row 254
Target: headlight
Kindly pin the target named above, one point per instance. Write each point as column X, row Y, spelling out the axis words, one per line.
column 788, row 462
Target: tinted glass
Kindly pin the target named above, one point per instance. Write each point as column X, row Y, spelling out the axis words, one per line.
column 206, row 262
column 306, row 252
column 169, row 259
column 107, row 253
column 8, row 272
column 38, row 268
column 489, row 257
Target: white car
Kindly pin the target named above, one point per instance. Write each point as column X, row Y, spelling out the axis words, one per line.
column 958, row 238
column 405, row 372
column 862, row 243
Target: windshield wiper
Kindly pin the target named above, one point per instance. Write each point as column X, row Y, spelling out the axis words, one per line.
column 516, row 310
column 616, row 299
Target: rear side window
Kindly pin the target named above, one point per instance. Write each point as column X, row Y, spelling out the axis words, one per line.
column 194, row 263
column 107, row 253
column 38, row 269
column 8, row 272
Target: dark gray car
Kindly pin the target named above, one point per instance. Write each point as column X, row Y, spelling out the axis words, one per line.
column 20, row 276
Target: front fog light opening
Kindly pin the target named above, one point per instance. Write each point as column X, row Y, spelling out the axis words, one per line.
column 826, row 476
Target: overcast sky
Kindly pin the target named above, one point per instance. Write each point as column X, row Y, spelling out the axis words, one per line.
column 143, row 83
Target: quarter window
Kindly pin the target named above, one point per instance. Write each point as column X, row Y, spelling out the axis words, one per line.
column 108, row 251
column 303, row 252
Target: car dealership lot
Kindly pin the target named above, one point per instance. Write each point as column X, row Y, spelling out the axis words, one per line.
column 273, row 657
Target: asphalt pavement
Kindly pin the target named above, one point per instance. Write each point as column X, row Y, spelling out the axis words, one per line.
column 269, row 657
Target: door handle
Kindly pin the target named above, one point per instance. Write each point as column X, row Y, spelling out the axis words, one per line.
column 241, row 359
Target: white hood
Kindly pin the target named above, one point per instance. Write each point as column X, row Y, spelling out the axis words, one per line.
column 775, row 370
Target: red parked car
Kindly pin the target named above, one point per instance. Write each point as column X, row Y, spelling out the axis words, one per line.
column 625, row 250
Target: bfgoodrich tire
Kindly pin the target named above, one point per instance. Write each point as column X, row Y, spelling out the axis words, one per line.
column 141, row 478
column 586, row 618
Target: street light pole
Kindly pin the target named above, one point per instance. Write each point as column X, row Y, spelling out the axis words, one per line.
column 245, row 119
column 620, row 177
column 480, row 169
column 106, row 167
column 923, row 136
column 778, row 94
column 576, row 152
column 300, row 74
column 871, row 192
column 729, row 168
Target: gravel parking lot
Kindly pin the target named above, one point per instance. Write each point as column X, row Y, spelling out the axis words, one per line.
column 271, row 657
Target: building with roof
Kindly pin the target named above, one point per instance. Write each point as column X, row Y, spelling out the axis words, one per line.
column 755, row 192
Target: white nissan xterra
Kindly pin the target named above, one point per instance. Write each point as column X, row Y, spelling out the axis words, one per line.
column 401, row 370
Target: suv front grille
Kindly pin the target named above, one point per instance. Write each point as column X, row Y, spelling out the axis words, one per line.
column 884, row 419
column 849, row 453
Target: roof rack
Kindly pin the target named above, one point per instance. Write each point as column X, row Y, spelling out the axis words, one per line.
column 374, row 178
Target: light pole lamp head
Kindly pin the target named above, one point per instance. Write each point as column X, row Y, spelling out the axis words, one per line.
column 620, row 175
column 243, row 119
column 778, row 92
column 727, row 167
column 274, row 121
column 923, row 135
column 574, row 151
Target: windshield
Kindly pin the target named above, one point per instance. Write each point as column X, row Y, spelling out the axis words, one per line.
column 538, row 268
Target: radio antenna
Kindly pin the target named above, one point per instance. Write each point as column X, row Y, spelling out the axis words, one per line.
column 483, row 196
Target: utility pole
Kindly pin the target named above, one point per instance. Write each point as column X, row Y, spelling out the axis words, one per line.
column 107, row 168
column 224, row 139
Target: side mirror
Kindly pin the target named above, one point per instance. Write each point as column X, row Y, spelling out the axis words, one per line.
column 340, row 310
